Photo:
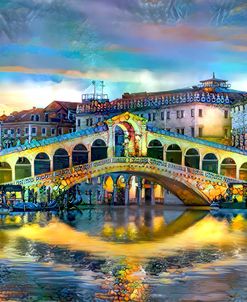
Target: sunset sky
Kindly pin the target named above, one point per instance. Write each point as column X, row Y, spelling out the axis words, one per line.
column 53, row 49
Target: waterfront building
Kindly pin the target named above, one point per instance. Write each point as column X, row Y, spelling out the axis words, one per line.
column 200, row 111
column 239, row 124
column 37, row 123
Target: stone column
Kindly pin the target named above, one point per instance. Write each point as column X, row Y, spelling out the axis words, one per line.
column 152, row 194
column 237, row 171
column 143, row 143
column 126, row 195
column 139, row 192
column 111, row 142
column 114, row 195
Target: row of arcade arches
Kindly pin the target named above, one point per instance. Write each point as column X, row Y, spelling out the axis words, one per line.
column 80, row 155
column 61, row 160
column 192, row 159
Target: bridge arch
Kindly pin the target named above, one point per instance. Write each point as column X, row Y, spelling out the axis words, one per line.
column 108, row 186
column 243, row 172
column 210, row 163
column 174, row 154
column 60, row 159
column 79, row 155
column 192, row 158
column 155, row 149
column 42, row 163
column 5, row 172
column 98, row 150
column 228, row 167
column 23, row 168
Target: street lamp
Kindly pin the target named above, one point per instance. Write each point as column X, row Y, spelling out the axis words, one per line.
column 89, row 193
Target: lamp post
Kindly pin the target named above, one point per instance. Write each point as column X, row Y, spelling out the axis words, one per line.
column 89, row 193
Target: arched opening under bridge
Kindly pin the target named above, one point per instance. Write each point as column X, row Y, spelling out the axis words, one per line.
column 79, row 155
column 228, row 167
column 243, row 172
column 60, row 159
column 192, row 158
column 174, row 154
column 210, row 163
column 98, row 150
column 5, row 172
column 42, row 164
column 22, row 168
column 155, row 149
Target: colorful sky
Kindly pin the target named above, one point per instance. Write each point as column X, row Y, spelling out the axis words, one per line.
column 52, row 49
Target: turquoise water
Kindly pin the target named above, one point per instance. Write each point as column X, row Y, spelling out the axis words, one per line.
column 124, row 254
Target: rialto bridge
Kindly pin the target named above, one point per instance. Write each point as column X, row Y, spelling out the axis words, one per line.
column 194, row 170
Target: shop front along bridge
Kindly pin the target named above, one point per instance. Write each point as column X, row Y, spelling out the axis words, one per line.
column 194, row 170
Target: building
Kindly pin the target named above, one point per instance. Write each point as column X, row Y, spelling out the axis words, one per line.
column 37, row 123
column 239, row 124
column 200, row 111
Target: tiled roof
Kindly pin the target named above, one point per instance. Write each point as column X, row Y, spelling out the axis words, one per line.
column 24, row 115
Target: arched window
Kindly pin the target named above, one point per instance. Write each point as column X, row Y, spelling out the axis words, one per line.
column 42, row 164
column 210, row 163
column 22, row 168
column 192, row 158
column 174, row 154
column 243, row 172
column 155, row 149
column 60, row 160
column 5, row 172
column 228, row 168
column 98, row 150
column 79, row 155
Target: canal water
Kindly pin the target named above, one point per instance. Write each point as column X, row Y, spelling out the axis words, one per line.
column 124, row 254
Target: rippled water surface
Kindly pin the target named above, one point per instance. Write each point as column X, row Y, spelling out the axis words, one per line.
column 124, row 254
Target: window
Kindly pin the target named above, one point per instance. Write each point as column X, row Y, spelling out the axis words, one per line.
column 87, row 122
column 149, row 117
column 26, row 130
column 79, row 122
column 168, row 129
column 43, row 131
column 180, row 113
column 53, row 131
column 192, row 112
column 154, row 116
column 34, row 131
column 91, row 121
column 178, row 130
column 60, row 131
column 162, row 116
column 18, row 131
column 99, row 119
column 192, row 131
column 226, row 113
column 12, row 131
column 182, row 131
column 200, row 132
column 47, row 117
column 200, row 113
column 5, row 131
column 168, row 115
column 32, row 117
column 71, row 130
column 37, row 118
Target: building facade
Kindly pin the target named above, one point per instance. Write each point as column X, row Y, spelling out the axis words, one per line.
column 239, row 124
column 37, row 123
column 201, row 111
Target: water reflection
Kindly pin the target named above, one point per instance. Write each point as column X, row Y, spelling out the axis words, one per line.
column 110, row 254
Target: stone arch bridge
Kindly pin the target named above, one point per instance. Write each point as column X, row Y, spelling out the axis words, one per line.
column 194, row 169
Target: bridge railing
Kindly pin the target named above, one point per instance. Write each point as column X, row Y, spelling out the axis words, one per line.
column 131, row 160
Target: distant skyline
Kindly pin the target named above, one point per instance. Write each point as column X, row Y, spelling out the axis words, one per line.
column 53, row 49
